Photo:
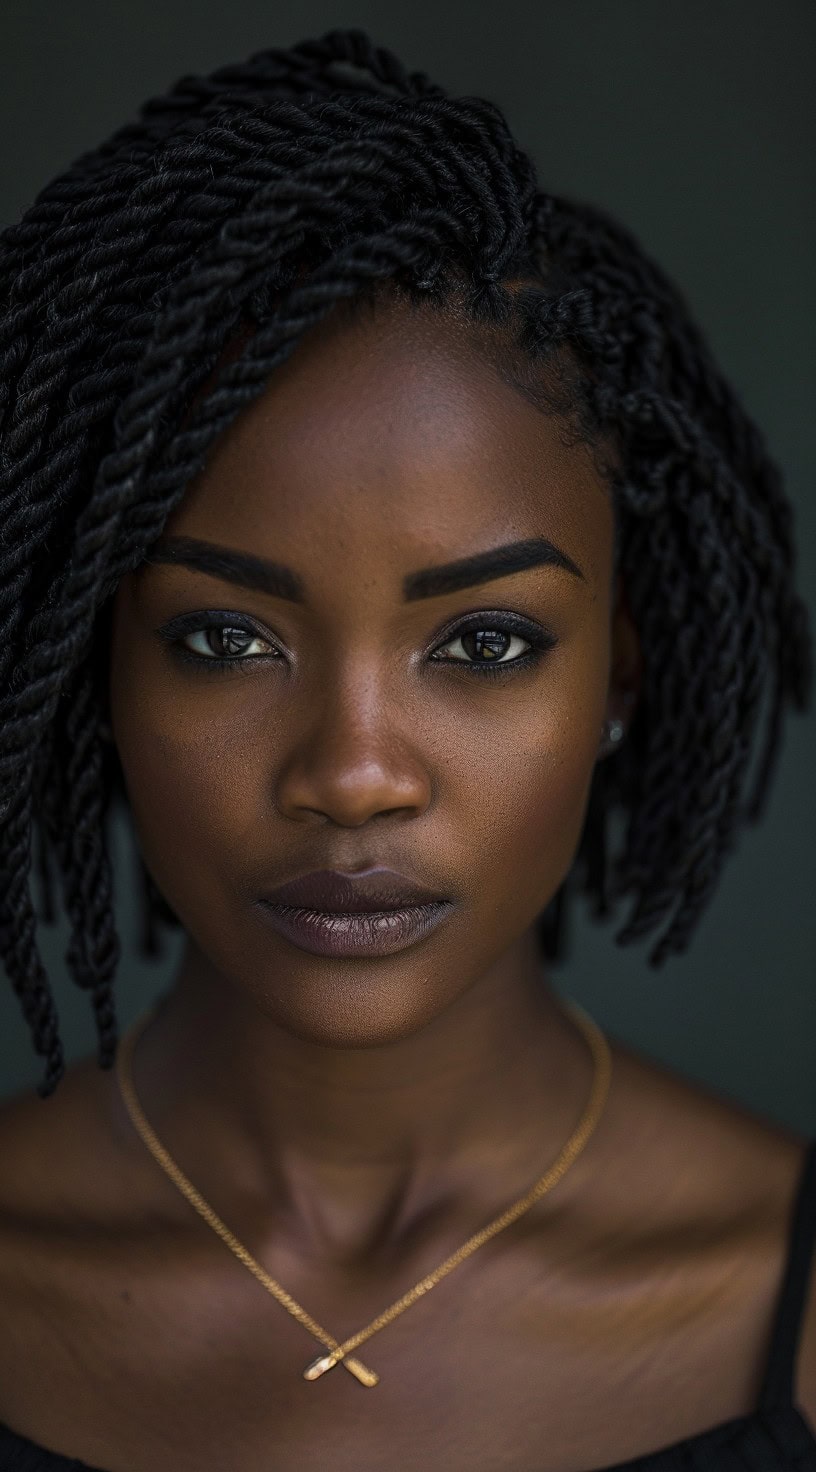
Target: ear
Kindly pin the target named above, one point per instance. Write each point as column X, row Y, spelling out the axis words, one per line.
column 625, row 666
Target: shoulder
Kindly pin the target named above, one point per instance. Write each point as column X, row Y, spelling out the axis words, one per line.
column 46, row 1187
column 72, row 1192
column 805, row 1377
column 84, row 1233
column 720, row 1182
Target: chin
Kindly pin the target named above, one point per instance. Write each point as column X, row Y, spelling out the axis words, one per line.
column 347, row 1004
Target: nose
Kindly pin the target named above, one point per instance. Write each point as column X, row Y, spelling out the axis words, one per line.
column 355, row 761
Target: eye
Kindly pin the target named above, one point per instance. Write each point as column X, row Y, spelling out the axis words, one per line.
column 225, row 641
column 495, row 643
column 221, row 641
column 484, row 645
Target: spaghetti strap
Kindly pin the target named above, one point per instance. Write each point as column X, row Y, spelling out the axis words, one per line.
column 779, row 1382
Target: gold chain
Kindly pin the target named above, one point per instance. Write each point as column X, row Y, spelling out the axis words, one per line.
column 340, row 1353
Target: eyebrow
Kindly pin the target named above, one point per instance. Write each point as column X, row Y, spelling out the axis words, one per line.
column 274, row 578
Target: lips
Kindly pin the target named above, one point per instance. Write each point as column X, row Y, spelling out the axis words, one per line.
column 352, row 894
column 372, row 913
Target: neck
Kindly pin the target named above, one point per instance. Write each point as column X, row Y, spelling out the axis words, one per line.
column 347, row 1146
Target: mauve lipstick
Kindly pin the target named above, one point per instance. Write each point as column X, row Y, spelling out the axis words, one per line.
column 371, row 913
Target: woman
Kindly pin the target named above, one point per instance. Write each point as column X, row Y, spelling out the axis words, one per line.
column 379, row 531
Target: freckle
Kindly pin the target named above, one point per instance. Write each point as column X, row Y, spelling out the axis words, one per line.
column 125, row 1295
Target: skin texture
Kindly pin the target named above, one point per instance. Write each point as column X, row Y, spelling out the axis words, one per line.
column 355, row 1121
column 382, row 447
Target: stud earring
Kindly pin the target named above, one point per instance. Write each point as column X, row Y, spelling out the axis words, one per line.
column 612, row 733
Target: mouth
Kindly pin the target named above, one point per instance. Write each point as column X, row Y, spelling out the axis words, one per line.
column 355, row 934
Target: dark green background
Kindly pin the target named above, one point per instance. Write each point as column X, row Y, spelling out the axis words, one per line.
column 694, row 123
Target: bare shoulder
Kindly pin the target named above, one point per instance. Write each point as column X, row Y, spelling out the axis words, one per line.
column 67, row 1174
column 703, row 1170
column 82, row 1231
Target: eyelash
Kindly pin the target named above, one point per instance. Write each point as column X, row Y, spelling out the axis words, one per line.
column 500, row 623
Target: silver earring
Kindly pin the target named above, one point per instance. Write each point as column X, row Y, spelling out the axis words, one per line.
column 613, row 731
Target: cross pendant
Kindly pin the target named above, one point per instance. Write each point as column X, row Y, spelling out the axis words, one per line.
column 355, row 1367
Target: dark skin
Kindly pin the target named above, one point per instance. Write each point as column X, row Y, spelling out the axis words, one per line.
column 355, row 1121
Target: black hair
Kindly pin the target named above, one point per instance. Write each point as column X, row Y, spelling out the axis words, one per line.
column 267, row 193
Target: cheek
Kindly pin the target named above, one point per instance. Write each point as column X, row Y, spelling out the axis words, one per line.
column 192, row 787
column 533, row 810
column 547, row 823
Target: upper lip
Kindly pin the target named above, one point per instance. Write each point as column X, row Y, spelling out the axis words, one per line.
column 366, row 891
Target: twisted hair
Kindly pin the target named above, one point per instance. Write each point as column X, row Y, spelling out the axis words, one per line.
column 266, row 194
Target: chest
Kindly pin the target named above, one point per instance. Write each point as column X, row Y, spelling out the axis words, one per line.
column 494, row 1374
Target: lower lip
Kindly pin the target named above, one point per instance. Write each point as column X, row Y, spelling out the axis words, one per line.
column 372, row 933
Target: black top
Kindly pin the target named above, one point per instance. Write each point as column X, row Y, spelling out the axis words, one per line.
column 773, row 1438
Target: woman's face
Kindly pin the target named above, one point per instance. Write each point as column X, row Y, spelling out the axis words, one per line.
column 359, row 729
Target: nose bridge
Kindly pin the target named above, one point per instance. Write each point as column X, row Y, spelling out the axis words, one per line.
column 356, row 702
column 354, row 754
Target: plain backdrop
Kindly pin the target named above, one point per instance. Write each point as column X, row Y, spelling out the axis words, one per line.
column 694, row 123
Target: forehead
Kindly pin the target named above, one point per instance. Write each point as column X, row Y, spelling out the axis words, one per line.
column 391, row 429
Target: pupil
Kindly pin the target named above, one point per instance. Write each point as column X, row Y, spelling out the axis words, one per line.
column 491, row 643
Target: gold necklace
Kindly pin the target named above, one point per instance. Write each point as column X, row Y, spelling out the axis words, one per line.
column 340, row 1353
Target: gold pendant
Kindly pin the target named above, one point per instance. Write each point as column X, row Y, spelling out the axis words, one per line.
column 355, row 1367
